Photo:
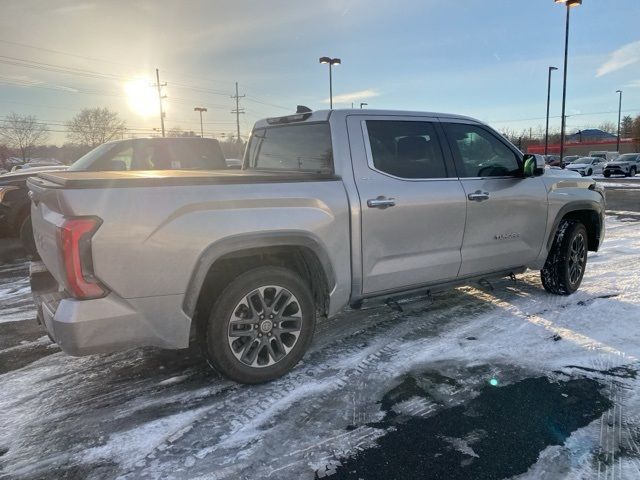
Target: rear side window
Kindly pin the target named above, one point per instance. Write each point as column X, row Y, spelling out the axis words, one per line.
column 406, row 149
column 304, row 147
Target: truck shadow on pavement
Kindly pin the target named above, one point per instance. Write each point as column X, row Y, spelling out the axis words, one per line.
column 498, row 434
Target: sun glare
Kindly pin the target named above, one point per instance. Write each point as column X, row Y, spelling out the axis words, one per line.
column 141, row 97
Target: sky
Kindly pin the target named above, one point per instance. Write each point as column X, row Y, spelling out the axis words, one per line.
column 483, row 58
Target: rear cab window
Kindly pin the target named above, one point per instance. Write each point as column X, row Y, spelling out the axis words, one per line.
column 405, row 149
column 303, row 147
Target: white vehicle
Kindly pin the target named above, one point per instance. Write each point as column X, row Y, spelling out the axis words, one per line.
column 607, row 156
column 627, row 165
column 587, row 166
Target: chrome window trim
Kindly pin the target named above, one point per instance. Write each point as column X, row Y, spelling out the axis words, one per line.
column 370, row 164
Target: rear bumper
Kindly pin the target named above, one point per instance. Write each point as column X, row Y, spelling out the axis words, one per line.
column 109, row 324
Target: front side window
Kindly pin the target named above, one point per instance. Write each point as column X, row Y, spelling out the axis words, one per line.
column 406, row 149
column 305, row 147
column 480, row 153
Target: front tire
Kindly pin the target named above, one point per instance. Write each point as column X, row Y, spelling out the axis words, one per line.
column 607, row 174
column 563, row 271
column 261, row 325
column 632, row 172
column 589, row 173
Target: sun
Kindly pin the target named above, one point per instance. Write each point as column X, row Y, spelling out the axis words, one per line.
column 142, row 97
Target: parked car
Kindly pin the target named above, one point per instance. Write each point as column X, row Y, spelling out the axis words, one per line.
column 186, row 153
column 570, row 158
column 174, row 153
column 333, row 208
column 28, row 165
column 605, row 155
column 627, row 164
column 587, row 166
column 235, row 163
column 553, row 160
column 15, row 212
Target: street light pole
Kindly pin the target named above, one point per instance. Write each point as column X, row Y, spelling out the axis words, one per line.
column 200, row 109
column 569, row 4
column 619, row 114
column 546, row 132
column 331, row 62
column 362, row 105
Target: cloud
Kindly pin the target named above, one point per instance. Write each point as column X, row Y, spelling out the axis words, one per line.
column 353, row 96
column 633, row 84
column 624, row 56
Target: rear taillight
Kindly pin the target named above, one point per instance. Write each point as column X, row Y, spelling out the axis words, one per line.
column 75, row 243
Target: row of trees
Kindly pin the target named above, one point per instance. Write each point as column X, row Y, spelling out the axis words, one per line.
column 26, row 137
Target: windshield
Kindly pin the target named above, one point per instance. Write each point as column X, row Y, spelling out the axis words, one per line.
column 627, row 157
column 599, row 155
column 84, row 162
column 581, row 160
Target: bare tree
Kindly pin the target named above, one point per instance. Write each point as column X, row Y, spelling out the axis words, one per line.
column 95, row 126
column 608, row 127
column 23, row 132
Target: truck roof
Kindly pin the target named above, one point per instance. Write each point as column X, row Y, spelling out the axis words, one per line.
column 324, row 115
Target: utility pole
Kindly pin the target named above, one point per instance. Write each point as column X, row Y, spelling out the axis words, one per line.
column 619, row 114
column 200, row 109
column 160, row 97
column 238, row 111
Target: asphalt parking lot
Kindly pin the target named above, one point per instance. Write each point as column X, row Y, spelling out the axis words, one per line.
column 499, row 380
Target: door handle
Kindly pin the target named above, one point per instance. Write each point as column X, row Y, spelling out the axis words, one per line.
column 478, row 196
column 381, row 202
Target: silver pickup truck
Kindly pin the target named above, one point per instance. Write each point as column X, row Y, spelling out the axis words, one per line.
column 331, row 208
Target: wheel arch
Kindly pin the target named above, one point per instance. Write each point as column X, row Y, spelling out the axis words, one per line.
column 590, row 214
column 229, row 257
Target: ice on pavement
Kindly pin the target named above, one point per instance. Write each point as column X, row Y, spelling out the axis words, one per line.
column 123, row 415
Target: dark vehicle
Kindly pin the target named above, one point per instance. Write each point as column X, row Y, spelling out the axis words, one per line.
column 188, row 153
column 553, row 160
column 15, row 216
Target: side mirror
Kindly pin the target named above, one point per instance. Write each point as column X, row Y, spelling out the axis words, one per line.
column 533, row 165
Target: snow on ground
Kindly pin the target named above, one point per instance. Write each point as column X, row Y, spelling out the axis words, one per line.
column 371, row 374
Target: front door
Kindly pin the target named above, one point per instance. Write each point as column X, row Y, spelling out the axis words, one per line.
column 413, row 207
column 506, row 212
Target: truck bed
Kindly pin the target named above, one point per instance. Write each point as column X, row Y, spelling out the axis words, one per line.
column 164, row 178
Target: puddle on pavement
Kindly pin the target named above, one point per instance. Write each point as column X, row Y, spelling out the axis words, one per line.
column 497, row 434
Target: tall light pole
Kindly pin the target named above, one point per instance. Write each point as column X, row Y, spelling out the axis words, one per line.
column 331, row 62
column 619, row 113
column 200, row 109
column 569, row 4
column 546, row 131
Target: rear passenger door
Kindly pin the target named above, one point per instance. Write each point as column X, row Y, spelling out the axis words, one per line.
column 412, row 205
column 506, row 212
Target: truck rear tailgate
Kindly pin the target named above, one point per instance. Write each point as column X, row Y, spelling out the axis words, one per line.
column 46, row 217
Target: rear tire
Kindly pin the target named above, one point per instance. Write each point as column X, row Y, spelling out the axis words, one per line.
column 261, row 325
column 563, row 271
column 607, row 174
column 632, row 172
